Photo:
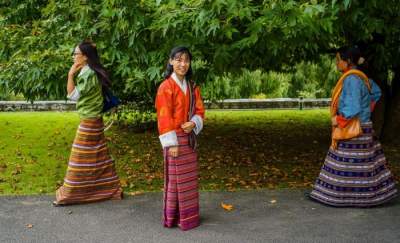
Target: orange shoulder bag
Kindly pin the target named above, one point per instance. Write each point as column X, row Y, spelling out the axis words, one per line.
column 353, row 128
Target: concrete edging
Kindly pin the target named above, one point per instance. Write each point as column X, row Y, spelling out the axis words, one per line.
column 279, row 103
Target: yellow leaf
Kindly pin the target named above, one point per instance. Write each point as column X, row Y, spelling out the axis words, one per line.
column 227, row 207
column 136, row 193
column 123, row 182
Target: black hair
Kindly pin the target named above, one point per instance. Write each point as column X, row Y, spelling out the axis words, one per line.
column 350, row 54
column 177, row 52
column 90, row 51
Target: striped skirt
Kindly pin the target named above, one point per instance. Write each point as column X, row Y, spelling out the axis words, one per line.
column 355, row 174
column 91, row 174
column 181, row 194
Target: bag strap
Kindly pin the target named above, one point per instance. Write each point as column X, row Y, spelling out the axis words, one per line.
column 192, row 99
column 192, row 105
column 337, row 91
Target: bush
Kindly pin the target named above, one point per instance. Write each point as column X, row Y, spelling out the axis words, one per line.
column 219, row 89
column 130, row 116
column 249, row 83
column 314, row 80
column 4, row 93
column 276, row 85
column 306, row 79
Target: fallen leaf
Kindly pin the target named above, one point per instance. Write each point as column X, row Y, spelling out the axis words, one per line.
column 136, row 193
column 17, row 170
column 29, row 226
column 227, row 207
column 123, row 182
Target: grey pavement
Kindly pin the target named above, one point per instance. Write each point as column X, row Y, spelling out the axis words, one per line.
column 258, row 216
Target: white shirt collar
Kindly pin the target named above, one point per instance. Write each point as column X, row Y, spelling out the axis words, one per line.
column 181, row 84
column 84, row 69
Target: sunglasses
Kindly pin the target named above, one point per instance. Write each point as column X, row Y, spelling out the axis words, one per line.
column 73, row 53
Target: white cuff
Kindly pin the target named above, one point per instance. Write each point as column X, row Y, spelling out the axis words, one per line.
column 74, row 95
column 169, row 139
column 199, row 123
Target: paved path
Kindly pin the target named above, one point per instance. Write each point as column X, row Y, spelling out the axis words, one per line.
column 292, row 218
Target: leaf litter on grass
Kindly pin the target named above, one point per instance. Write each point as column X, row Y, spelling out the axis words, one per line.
column 267, row 149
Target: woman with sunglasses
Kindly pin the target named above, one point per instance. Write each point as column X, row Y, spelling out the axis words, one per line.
column 90, row 174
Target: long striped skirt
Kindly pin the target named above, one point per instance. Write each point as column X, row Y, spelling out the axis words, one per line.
column 91, row 174
column 355, row 174
column 181, row 194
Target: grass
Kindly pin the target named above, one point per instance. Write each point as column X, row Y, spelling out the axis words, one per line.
column 33, row 150
column 238, row 150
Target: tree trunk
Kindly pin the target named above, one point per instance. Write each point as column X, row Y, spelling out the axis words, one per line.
column 378, row 117
column 391, row 128
column 380, row 78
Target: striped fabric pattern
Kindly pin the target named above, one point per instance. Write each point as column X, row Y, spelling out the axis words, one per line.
column 90, row 174
column 181, row 194
column 355, row 174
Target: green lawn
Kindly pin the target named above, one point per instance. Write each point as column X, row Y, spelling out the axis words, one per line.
column 238, row 150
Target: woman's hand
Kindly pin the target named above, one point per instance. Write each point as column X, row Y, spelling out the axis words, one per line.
column 71, row 74
column 173, row 151
column 372, row 106
column 334, row 121
column 74, row 69
column 188, row 126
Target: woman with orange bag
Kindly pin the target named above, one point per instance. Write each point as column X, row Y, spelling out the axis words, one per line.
column 354, row 173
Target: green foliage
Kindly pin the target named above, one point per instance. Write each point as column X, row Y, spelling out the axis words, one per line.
column 314, row 80
column 129, row 115
column 276, row 85
column 42, row 46
column 305, row 79
column 249, row 82
column 4, row 94
column 221, row 88
column 134, row 38
column 246, row 84
column 226, row 37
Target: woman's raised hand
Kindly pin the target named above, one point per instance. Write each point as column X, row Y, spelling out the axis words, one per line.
column 74, row 69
